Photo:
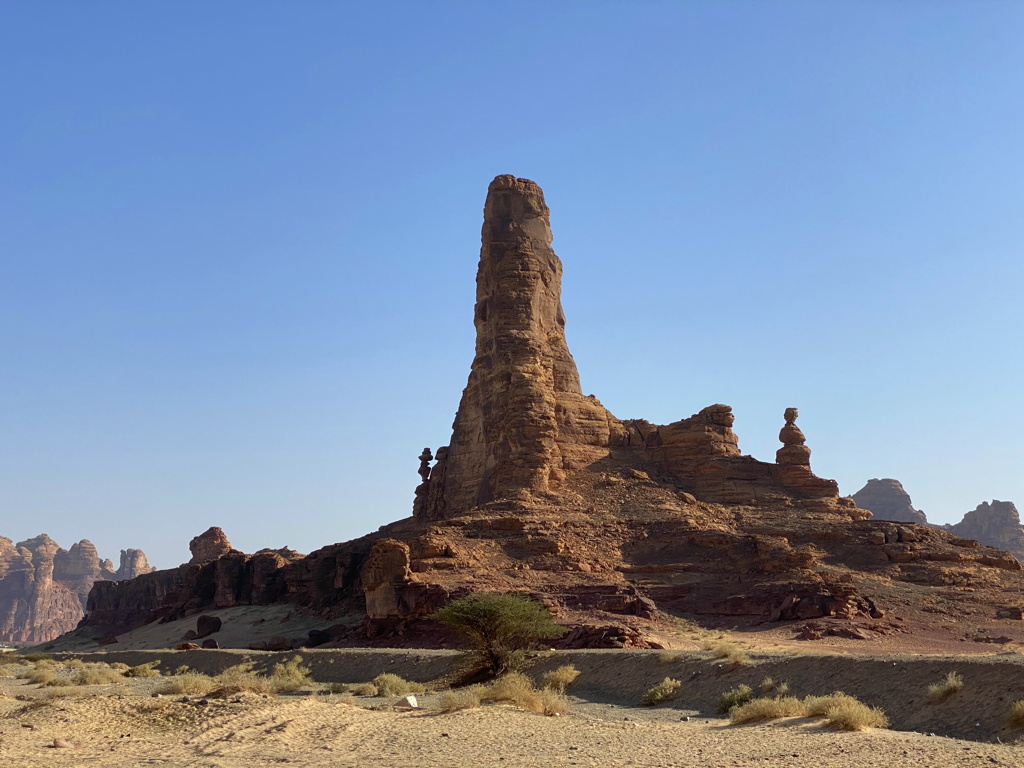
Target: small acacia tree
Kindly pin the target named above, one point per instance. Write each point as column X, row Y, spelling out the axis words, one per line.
column 499, row 627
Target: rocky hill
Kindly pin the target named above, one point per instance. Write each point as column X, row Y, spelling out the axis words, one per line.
column 996, row 524
column 615, row 524
column 44, row 588
column 887, row 500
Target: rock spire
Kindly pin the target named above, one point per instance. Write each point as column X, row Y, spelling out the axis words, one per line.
column 523, row 420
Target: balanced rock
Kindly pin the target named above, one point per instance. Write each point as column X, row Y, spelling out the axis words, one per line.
column 888, row 500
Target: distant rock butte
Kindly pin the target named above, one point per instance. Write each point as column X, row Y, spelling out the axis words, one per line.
column 887, row 500
column 995, row 525
column 44, row 588
column 610, row 523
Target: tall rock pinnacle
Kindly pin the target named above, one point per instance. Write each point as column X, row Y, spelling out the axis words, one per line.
column 523, row 419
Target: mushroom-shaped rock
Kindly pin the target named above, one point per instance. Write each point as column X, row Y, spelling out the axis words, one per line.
column 207, row 546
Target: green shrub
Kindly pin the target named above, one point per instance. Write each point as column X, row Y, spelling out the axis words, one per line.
column 663, row 691
column 734, row 697
column 499, row 627
column 560, row 679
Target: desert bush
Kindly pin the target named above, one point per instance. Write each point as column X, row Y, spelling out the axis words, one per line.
column 460, row 698
column 142, row 670
column 241, row 679
column 290, row 676
column 191, row 683
column 363, row 689
column 756, row 710
column 498, row 627
column 95, row 674
column 820, row 706
column 37, row 656
column 41, row 674
column 1015, row 715
column 727, row 651
column 560, row 679
column 769, row 686
column 388, row 684
column 735, row 697
column 853, row 715
column 663, row 691
column 516, row 689
column 939, row 692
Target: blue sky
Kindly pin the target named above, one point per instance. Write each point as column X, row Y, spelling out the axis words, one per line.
column 238, row 243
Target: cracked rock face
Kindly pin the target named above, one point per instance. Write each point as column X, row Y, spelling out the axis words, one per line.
column 887, row 500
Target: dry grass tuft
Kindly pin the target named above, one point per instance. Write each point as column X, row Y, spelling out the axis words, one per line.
column 363, row 689
column 560, row 679
column 756, row 710
column 939, row 692
column 735, row 697
column 853, row 715
column 190, row 683
column 769, row 686
column 663, row 691
column 726, row 651
column 142, row 670
column 460, row 698
column 388, row 684
column 1015, row 715
column 290, row 676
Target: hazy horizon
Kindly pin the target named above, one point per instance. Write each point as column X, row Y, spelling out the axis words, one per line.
column 240, row 242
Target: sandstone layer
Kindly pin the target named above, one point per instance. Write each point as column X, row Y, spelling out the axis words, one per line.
column 44, row 588
column 887, row 500
column 616, row 525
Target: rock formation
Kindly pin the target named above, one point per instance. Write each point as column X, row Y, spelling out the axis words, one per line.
column 133, row 563
column 43, row 588
column 209, row 545
column 609, row 522
column 887, row 500
column 995, row 525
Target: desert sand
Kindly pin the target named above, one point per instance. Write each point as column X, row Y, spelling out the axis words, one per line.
column 125, row 725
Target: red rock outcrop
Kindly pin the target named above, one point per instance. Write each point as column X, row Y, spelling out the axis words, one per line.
column 209, row 545
column 609, row 523
column 887, row 500
column 43, row 588
column 995, row 525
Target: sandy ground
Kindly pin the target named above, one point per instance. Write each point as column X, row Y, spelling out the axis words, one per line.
column 124, row 725
column 105, row 730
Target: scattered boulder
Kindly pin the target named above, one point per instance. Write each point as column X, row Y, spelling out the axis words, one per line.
column 187, row 647
column 207, row 625
column 210, row 643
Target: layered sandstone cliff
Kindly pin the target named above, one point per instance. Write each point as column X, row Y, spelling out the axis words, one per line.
column 887, row 500
column 44, row 588
column 611, row 523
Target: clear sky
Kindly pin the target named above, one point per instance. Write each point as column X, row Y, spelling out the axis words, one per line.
column 238, row 243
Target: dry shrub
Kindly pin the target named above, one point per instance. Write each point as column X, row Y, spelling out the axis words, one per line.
column 560, row 679
column 363, row 689
column 663, row 691
column 768, row 685
column 39, row 675
column 37, row 656
column 241, row 679
column 727, row 651
column 855, row 716
column 821, row 706
column 515, row 687
column 939, row 692
column 735, row 697
column 338, row 687
column 191, row 683
column 550, row 702
column 1015, row 715
column 93, row 674
column 121, row 666
column 290, row 676
column 388, row 684
column 756, row 710
column 142, row 670
column 461, row 698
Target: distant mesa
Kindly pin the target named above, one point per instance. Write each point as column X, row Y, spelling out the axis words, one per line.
column 887, row 500
column 44, row 588
column 996, row 524
column 612, row 523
